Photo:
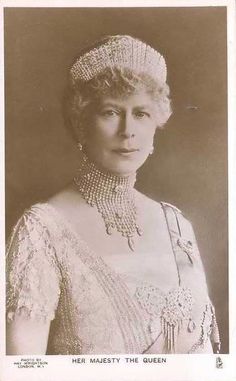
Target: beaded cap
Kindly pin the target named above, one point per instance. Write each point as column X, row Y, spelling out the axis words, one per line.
column 120, row 51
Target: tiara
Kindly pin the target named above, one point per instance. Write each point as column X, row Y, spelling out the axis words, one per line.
column 120, row 52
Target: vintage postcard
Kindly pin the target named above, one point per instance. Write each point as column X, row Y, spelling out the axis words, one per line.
column 118, row 151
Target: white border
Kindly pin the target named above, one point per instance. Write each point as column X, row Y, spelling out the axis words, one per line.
column 115, row 3
column 231, row 32
column 178, row 367
column 2, row 196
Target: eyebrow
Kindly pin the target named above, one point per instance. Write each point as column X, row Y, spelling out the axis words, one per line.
column 115, row 105
column 143, row 106
column 109, row 104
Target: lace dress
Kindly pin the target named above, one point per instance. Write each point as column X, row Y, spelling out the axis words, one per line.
column 52, row 275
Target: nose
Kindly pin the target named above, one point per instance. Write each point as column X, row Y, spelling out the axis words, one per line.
column 127, row 127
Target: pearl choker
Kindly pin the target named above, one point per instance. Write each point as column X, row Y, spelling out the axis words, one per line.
column 113, row 196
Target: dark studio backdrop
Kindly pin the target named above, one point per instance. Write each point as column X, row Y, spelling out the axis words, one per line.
column 189, row 165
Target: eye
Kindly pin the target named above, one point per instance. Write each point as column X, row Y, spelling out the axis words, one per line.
column 141, row 114
column 109, row 113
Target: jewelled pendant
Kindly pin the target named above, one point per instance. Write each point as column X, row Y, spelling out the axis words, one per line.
column 114, row 198
column 109, row 230
column 191, row 325
column 139, row 231
column 131, row 243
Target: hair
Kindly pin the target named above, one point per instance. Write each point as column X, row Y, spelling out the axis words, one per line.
column 80, row 97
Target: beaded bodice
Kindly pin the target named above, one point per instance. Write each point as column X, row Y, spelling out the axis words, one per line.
column 95, row 308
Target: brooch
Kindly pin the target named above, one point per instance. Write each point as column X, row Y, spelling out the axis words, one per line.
column 187, row 247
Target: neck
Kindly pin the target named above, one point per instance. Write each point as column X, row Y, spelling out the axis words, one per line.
column 114, row 197
column 94, row 181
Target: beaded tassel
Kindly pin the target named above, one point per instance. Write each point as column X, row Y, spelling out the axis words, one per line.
column 114, row 198
column 170, row 332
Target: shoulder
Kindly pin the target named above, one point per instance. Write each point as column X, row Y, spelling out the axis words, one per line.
column 33, row 218
column 175, row 218
column 166, row 205
column 157, row 205
column 146, row 201
column 44, row 214
column 149, row 211
column 165, row 213
column 67, row 200
column 33, row 232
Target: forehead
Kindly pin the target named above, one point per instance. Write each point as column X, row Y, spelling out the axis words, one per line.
column 137, row 99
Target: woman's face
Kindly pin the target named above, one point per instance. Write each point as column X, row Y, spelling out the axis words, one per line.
column 120, row 134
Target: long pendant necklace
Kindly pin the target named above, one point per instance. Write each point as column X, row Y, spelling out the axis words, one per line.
column 114, row 198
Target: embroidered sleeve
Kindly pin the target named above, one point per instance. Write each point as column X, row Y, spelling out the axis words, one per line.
column 31, row 270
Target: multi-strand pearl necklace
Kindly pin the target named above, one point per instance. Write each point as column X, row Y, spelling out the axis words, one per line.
column 113, row 196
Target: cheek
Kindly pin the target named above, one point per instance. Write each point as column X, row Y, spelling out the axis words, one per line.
column 147, row 134
column 99, row 137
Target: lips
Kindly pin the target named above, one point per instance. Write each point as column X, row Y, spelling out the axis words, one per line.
column 125, row 150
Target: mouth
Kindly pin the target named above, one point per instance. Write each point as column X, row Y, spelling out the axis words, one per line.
column 125, row 151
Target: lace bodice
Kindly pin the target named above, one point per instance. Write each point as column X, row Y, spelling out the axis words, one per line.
column 53, row 275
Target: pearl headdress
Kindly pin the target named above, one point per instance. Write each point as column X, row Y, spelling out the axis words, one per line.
column 120, row 52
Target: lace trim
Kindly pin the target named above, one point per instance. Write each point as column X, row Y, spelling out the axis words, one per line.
column 209, row 328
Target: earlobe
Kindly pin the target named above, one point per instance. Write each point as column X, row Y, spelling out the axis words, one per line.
column 151, row 150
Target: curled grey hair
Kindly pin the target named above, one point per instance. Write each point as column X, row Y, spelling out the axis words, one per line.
column 81, row 97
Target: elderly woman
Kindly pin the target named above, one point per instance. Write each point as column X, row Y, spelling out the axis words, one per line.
column 100, row 268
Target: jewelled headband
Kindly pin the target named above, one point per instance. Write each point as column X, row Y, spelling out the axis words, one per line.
column 120, row 52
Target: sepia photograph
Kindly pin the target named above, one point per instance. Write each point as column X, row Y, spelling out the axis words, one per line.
column 116, row 183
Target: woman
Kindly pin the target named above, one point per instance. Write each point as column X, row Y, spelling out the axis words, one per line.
column 99, row 267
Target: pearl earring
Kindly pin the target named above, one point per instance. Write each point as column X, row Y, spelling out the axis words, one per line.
column 79, row 146
column 151, row 151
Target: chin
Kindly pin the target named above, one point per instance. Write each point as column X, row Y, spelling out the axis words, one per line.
column 124, row 169
column 123, row 166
